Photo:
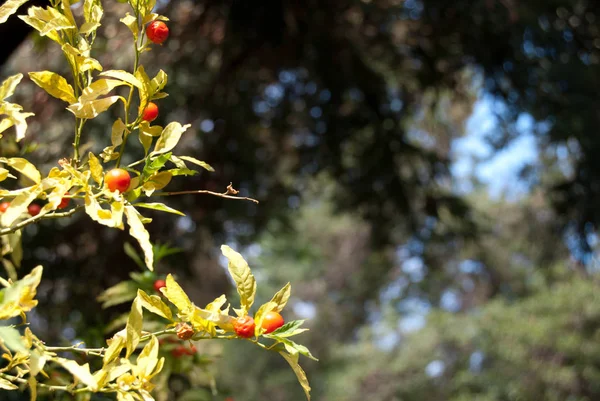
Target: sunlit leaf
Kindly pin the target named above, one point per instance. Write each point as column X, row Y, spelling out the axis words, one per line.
column 169, row 137
column 9, row 8
column 176, row 295
column 197, row 162
column 54, row 84
column 123, row 76
column 81, row 372
column 7, row 89
column 139, row 232
column 20, row 296
column 11, row 337
column 92, row 108
column 119, row 293
column 242, row 276
column 96, row 168
column 155, row 305
column 133, row 329
column 98, row 88
column 132, row 23
column 300, row 374
column 19, row 204
column 159, row 206
column 281, row 297
column 114, row 349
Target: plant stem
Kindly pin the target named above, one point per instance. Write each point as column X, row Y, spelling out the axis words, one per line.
column 18, row 226
column 204, row 191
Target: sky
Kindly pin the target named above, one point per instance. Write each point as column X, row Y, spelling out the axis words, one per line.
column 498, row 170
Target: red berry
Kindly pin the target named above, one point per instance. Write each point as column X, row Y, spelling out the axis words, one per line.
column 158, row 284
column 271, row 322
column 179, row 351
column 192, row 350
column 117, row 179
column 4, row 206
column 157, row 32
column 34, row 209
column 150, row 112
column 64, row 202
column 244, row 326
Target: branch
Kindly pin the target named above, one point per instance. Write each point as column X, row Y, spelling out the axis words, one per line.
column 229, row 194
column 33, row 219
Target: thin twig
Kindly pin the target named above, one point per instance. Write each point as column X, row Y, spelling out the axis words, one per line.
column 229, row 194
column 33, row 219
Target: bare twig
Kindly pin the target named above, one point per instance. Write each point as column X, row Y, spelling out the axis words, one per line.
column 229, row 194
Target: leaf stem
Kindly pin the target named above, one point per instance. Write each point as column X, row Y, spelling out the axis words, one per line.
column 204, row 191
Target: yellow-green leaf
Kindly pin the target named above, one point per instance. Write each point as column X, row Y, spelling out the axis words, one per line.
column 260, row 315
column 176, row 295
column 157, row 181
column 169, row 137
column 154, row 304
column 11, row 338
column 132, row 23
column 96, row 168
column 197, row 162
column 19, row 204
column 14, row 116
column 281, row 297
column 242, row 276
column 9, row 85
column 54, row 84
column 114, row 350
column 5, row 384
column 24, row 167
column 139, row 232
column 133, row 329
column 144, row 89
column 300, row 374
column 93, row 108
column 81, row 372
column 98, row 88
column 9, row 8
column 159, row 206
column 109, row 218
column 123, row 76
column 159, row 81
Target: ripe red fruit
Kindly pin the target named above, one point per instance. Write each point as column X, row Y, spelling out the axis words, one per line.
column 179, row 351
column 157, row 32
column 271, row 322
column 117, row 179
column 4, row 206
column 244, row 326
column 34, row 209
column 150, row 112
column 64, row 202
column 158, row 284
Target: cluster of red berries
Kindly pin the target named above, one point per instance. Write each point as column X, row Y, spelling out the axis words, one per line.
column 33, row 209
column 244, row 325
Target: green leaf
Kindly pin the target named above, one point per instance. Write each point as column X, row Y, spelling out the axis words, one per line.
column 197, row 162
column 12, row 339
column 133, row 329
column 9, row 8
column 169, row 137
column 157, row 181
column 159, row 206
column 289, row 329
column 181, row 171
column 54, row 84
column 281, row 297
column 153, row 165
column 292, row 347
column 139, row 232
column 176, row 295
column 242, row 276
column 96, row 168
column 132, row 253
column 300, row 374
column 93, row 108
column 81, row 372
column 154, row 304
column 119, row 293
